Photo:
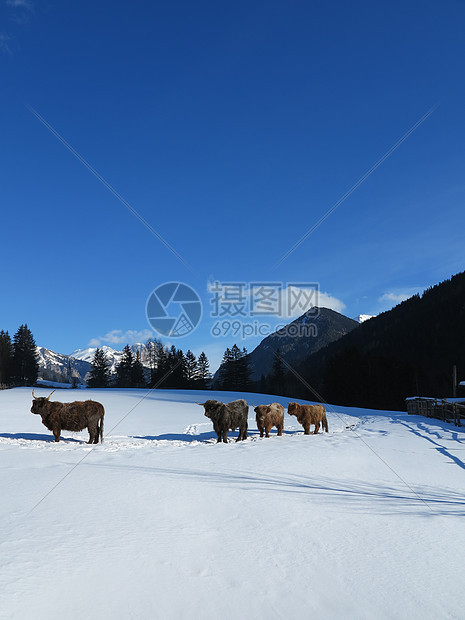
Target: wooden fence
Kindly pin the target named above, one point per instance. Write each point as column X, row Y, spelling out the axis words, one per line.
column 441, row 409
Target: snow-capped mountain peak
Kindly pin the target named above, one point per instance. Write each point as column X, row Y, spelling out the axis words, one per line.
column 113, row 356
column 361, row 318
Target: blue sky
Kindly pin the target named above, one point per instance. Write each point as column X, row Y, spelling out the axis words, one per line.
column 231, row 128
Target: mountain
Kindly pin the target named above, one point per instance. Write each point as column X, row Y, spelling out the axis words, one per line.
column 305, row 335
column 61, row 368
column 407, row 351
column 113, row 356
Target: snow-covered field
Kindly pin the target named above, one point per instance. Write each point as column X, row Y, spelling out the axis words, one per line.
column 366, row 521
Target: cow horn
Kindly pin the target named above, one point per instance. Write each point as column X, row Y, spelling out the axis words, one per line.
column 201, row 404
column 48, row 397
column 33, row 395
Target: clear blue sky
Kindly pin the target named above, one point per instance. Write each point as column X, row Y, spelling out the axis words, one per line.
column 231, row 128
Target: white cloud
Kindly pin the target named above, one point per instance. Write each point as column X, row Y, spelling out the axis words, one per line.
column 395, row 298
column 300, row 299
column 118, row 337
column 392, row 298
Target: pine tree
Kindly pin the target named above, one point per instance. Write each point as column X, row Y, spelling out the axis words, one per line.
column 6, row 358
column 242, row 372
column 203, row 371
column 234, row 370
column 177, row 378
column 159, row 366
column 25, row 364
column 124, row 369
column 100, row 371
column 276, row 376
column 225, row 374
column 190, row 367
column 137, row 373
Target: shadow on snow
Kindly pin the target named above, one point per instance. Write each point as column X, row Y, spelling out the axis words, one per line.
column 38, row 437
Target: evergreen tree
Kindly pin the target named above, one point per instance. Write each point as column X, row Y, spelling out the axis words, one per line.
column 159, row 366
column 235, row 370
column 137, row 373
column 100, row 371
column 25, row 363
column 190, row 367
column 177, row 378
column 276, row 376
column 124, row 369
column 225, row 379
column 242, row 372
column 6, row 358
column 203, row 371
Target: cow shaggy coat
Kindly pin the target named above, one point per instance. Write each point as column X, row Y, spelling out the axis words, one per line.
column 74, row 416
column 309, row 414
column 226, row 416
column 268, row 416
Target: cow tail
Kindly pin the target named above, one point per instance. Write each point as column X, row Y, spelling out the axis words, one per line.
column 101, row 429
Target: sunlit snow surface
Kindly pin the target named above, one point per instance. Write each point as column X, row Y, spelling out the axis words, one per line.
column 161, row 522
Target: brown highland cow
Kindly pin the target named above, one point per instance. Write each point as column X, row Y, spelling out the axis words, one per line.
column 70, row 416
column 309, row 414
column 268, row 416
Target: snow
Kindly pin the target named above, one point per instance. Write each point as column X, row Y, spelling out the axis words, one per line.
column 113, row 356
column 159, row 521
column 361, row 318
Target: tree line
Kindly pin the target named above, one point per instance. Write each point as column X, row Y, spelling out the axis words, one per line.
column 166, row 367
column 18, row 358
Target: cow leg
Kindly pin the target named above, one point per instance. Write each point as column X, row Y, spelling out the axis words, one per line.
column 93, row 432
column 317, row 428
column 56, row 433
column 225, row 436
column 245, row 433
column 280, row 430
column 268, row 429
column 261, row 429
column 218, row 433
column 307, row 429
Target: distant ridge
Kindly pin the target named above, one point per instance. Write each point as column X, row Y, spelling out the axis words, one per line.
column 409, row 350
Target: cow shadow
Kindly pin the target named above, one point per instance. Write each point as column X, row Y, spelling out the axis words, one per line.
column 179, row 437
column 206, row 437
column 37, row 437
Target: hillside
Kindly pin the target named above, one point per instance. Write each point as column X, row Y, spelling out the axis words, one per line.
column 407, row 351
column 61, row 368
column 303, row 336
column 159, row 519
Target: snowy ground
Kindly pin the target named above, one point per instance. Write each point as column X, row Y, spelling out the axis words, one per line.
column 366, row 521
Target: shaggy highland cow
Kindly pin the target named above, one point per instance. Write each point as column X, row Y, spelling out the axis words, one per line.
column 227, row 416
column 70, row 416
column 268, row 416
column 309, row 414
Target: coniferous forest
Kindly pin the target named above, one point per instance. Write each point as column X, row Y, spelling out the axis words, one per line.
column 407, row 351
column 18, row 358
